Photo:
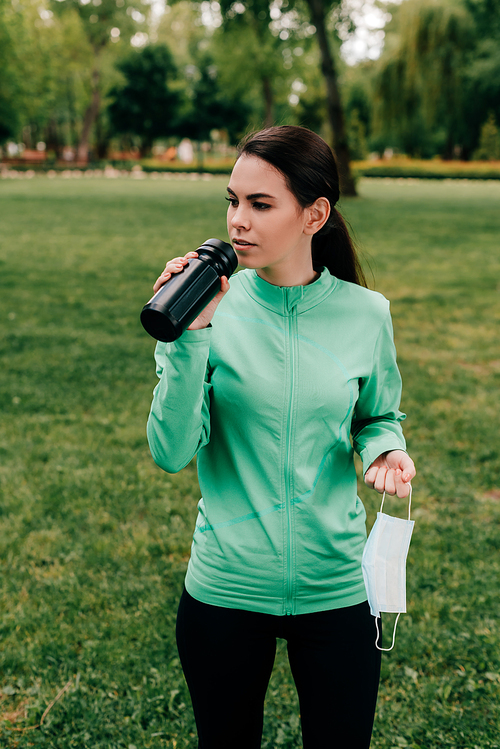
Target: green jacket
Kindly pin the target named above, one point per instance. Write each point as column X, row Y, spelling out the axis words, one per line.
column 273, row 398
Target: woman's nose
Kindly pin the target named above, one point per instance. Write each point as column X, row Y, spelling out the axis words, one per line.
column 240, row 218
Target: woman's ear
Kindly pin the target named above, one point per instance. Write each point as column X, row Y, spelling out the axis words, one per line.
column 317, row 215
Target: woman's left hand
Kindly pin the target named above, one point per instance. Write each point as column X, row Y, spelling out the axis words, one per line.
column 391, row 472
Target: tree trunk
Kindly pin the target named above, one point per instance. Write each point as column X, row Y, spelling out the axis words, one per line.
column 82, row 154
column 52, row 139
column 334, row 105
column 267, row 90
column 101, row 138
column 72, row 131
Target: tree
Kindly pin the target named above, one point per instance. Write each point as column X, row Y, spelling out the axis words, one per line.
column 482, row 75
column 147, row 105
column 319, row 10
column 254, row 47
column 211, row 108
column 420, row 88
column 8, row 80
column 104, row 22
column 255, row 35
column 45, row 59
column 270, row 26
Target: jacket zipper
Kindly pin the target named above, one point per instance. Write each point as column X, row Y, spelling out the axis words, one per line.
column 288, row 471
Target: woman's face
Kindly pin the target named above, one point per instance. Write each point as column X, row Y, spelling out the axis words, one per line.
column 267, row 227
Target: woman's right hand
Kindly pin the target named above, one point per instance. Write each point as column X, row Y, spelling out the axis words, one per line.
column 175, row 266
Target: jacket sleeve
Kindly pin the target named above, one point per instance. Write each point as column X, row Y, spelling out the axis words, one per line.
column 179, row 420
column 376, row 426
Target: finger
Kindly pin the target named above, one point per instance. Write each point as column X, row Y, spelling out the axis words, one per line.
column 370, row 476
column 160, row 281
column 399, row 459
column 174, row 261
column 408, row 469
column 177, row 263
column 184, row 259
column 180, row 262
column 223, row 290
column 390, row 482
column 402, row 487
column 173, row 266
column 379, row 483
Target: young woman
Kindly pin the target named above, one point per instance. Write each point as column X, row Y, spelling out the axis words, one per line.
column 274, row 386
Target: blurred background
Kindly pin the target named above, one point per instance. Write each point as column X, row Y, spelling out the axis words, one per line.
column 94, row 81
column 118, row 125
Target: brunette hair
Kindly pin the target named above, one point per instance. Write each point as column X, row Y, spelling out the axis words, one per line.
column 308, row 165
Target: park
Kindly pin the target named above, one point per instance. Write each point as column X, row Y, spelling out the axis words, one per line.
column 95, row 538
column 118, row 130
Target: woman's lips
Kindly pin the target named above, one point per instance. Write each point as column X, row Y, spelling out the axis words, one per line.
column 240, row 244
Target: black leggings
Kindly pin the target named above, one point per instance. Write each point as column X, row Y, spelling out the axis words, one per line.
column 228, row 655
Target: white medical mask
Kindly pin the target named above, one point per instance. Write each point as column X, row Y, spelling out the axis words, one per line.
column 384, row 565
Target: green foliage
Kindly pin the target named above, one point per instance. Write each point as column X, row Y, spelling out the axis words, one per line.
column 211, row 108
column 438, row 76
column 483, row 84
column 489, row 141
column 103, row 22
column 43, row 61
column 254, row 51
column 486, row 15
column 94, row 538
column 98, row 19
column 356, row 130
column 147, row 103
column 420, row 84
column 8, row 112
column 180, row 28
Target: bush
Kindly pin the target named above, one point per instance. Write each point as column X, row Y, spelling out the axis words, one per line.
column 489, row 141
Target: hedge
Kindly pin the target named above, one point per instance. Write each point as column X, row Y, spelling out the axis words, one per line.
column 407, row 169
column 428, row 169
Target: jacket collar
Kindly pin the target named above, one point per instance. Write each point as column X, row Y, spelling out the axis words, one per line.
column 285, row 299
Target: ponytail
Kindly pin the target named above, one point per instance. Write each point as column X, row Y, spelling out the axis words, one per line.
column 309, row 168
column 333, row 247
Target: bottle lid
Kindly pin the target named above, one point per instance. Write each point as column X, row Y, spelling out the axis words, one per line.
column 224, row 249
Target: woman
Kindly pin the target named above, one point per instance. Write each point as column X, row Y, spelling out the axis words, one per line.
column 268, row 386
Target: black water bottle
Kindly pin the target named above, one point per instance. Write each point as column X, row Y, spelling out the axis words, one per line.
column 181, row 299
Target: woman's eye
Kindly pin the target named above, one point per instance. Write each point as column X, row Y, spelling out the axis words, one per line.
column 232, row 201
column 261, row 206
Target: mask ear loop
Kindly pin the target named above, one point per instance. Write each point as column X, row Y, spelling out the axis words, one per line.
column 382, row 504
column 409, row 502
column 386, row 650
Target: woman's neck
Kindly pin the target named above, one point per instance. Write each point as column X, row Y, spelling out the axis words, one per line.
column 289, row 276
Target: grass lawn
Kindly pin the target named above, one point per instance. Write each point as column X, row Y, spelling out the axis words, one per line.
column 94, row 538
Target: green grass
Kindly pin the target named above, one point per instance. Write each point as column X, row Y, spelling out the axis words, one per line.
column 94, row 539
